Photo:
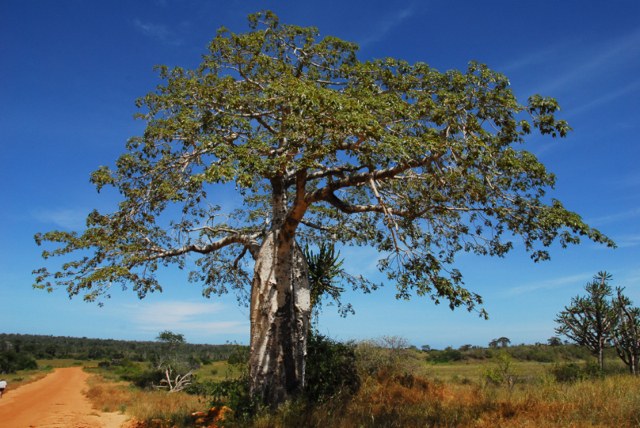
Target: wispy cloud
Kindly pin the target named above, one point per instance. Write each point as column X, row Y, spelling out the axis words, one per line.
column 607, row 97
column 158, row 32
column 383, row 28
column 64, row 218
column 535, row 58
column 548, row 284
column 615, row 217
column 628, row 180
column 184, row 317
column 595, row 62
column 627, row 241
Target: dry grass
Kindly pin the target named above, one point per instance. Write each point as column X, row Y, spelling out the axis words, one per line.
column 392, row 401
column 167, row 409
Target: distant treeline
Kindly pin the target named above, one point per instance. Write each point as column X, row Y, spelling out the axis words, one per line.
column 18, row 351
column 539, row 352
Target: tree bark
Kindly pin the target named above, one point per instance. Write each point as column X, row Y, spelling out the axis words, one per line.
column 601, row 355
column 280, row 312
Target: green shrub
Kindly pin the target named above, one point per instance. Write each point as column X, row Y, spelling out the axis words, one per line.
column 502, row 372
column 331, row 369
column 569, row 372
column 12, row 361
column 445, row 356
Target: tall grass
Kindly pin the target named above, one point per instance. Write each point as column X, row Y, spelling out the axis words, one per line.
column 417, row 402
column 155, row 408
column 396, row 393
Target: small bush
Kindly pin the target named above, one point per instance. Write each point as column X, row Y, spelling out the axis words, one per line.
column 569, row 372
column 445, row 356
column 331, row 369
column 502, row 372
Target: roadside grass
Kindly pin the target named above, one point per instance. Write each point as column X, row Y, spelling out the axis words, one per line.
column 23, row 377
column 145, row 406
column 65, row 362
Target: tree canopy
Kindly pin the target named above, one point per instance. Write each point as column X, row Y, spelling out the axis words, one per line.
column 414, row 162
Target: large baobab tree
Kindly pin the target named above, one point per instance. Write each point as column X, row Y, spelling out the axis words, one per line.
column 319, row 146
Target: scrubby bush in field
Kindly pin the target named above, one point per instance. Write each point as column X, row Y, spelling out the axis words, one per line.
column 502, row 372
column 568, row 372
column 331, row 369
column 387, row 355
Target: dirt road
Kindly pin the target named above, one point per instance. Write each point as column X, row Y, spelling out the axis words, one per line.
column 54, row 401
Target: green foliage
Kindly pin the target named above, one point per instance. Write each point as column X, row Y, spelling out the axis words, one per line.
column 331, row 369
column 446, row 355
column 325, row 272
column 416, row 163
column 56, row 347
column 239, row 356
column 12, row 361
column 233, row 391
column 502, row 372
column 590, row 320
column 626, row 335
column 170, row 338
column 139, row 374
column 568, row 372
column 572, row 372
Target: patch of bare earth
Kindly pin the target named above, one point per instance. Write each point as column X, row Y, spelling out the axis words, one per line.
column 56, row 400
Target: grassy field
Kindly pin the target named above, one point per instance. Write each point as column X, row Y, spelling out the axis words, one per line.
column 217, row 371
column 411, row 392
column 432, row 395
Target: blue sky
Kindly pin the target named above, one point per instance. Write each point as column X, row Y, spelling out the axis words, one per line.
column 70, row 71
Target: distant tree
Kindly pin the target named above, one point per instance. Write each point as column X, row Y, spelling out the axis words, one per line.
column 501, row 342
column 319, row 146
column 590, row 320
column 465, row 348
column 425, row 348
column 175, row 365
column 626, row 335
column 173, row 340
column 554, row 341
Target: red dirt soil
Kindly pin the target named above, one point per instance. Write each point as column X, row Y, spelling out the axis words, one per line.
column 56, row 400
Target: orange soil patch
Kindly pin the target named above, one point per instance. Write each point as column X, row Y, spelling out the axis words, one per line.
column 56, row 400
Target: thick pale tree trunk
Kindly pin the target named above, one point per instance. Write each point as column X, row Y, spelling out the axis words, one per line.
column 280, row 312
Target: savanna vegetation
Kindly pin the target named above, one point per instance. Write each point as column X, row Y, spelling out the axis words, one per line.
column 384, row 383
column 319, row 147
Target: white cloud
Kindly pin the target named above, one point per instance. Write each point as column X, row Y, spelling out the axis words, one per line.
column 595, row 62
column 548, row 284
column 157, row 31
column 184, row 317
column 535, row 58
column 382, row 29
column 627, row 241
column 64, row 218
column 613, row 218
column 607, row 97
